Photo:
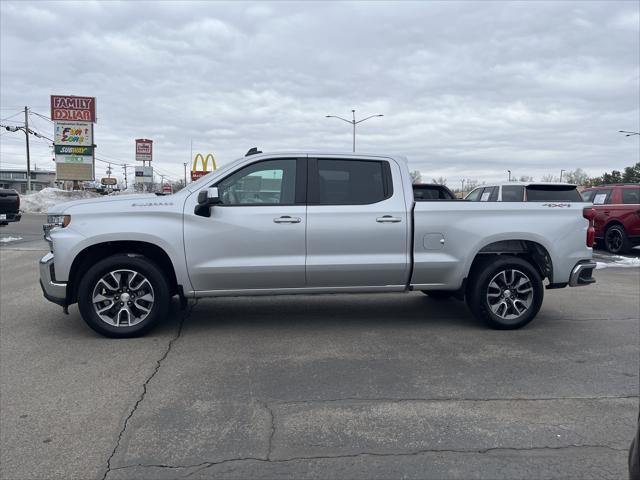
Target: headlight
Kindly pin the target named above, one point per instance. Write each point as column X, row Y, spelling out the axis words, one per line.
column 58, row 220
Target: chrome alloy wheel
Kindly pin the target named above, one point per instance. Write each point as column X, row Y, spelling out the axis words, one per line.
column 510, row 294
column 123, row 298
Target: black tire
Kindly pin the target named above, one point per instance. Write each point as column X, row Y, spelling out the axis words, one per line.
column 438, row 294
column 160, row 293
column 488, row 271
column 616, row 240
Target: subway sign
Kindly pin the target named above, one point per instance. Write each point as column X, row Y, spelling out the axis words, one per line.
column 68, row 150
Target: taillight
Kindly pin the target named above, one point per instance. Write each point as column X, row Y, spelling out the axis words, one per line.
column 18, row 206
column 590, row 213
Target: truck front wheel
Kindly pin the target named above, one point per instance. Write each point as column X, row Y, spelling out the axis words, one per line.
column 505, row 292
column 123, row 296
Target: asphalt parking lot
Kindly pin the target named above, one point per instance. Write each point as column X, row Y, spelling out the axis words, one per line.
column 328, row 386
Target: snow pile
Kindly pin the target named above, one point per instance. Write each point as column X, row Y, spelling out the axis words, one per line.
column 46, row 198
column 619, row 261
column 9, row 239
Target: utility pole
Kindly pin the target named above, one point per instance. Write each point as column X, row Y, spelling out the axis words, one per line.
column 126, row 184
column 561, row 172
column 463, row 187
column 26, row 135
column 185, row 174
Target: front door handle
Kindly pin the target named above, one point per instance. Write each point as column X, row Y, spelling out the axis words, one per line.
column 388, row 219
column 287, row 219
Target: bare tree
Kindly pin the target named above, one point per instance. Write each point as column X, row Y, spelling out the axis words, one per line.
column 526, row 178
column 439, row 180
column 549, row 178
column 471, row 184
column 416, row 176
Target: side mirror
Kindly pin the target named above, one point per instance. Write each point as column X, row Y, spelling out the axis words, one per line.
column 209, row 196
column 206, row 199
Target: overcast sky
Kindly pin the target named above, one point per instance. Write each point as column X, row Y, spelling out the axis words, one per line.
column 467, row 89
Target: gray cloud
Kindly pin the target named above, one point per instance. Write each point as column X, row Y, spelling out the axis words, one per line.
column 468, row 89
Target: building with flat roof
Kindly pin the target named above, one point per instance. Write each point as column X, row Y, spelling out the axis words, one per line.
column 17, row 179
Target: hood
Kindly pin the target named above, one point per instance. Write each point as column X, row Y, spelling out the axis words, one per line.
column 109, row 203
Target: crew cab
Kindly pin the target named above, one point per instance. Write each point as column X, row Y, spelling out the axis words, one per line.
column 300, row 223
column 9, row 206
column 617, row 221
column 525, row 192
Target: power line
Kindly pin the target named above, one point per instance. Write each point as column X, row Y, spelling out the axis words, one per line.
column 42, row 116
column 11, row 116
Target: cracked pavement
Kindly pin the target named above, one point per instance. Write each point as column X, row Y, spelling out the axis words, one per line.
column 329, row 386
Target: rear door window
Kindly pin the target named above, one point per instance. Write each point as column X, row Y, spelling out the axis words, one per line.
column 512, row 193
column 601, row 197
column 553, row 193
column 351, row 182
column 631, row 195
column 485, row 196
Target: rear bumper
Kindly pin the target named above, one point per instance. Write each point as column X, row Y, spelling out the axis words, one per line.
column 582, row 274
column 53, row 291
column 10, row 217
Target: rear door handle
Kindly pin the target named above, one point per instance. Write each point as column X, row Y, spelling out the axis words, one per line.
column 287, row 219
column 388, row 219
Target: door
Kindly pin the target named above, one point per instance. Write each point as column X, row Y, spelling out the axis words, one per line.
column 357, row 228
column 601, row 200
column 254, row 239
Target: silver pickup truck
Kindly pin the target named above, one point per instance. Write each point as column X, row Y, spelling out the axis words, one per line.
column 296, row 223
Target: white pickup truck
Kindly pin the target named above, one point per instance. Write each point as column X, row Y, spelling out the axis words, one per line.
column 296, row 223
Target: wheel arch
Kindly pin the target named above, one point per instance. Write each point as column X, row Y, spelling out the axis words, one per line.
column 96, row 252
column 533, row 252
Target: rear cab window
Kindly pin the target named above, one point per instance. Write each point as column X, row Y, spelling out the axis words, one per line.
column 553, row 193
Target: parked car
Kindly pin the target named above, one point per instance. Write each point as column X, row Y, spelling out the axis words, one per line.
column 617, row 221
column 525, row 192
column 431, row 191
column 296, row 223
column 9, row 206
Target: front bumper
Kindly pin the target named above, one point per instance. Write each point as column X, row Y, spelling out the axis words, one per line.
column 53, row 291
column 582, row 274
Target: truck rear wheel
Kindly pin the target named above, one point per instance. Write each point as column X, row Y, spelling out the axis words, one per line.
column 123, row 296
column 505, row 292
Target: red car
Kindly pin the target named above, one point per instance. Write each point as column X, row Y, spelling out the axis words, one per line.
column 617, row 219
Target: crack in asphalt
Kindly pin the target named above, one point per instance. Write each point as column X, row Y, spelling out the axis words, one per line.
column 206, row 465
column 183, row 317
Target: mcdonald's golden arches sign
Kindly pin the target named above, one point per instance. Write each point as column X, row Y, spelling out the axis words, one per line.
column 195, row 173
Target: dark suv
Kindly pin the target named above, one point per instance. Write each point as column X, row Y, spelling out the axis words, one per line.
column 617, row 219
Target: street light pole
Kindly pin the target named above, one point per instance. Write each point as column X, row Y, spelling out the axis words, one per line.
column 509, row 174
column 185, row 174
column 628, row 134
column 26, row 134
column 354, row 122
column 561, row 172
